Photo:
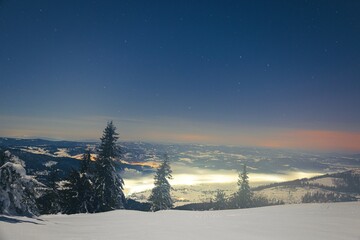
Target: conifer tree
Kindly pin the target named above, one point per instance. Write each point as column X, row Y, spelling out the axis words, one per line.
column 17, row 190
column 50, row 201
column 3, row 157
column 108, row 182
column 220, row 201
column 244, row 194
column 160, row 197
column 86, row 164
column 78, row 194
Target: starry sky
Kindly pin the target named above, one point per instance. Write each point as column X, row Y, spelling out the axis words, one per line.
column 253, row 73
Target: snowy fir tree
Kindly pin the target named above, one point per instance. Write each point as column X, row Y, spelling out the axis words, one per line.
column 243, row 197
column 50, row 200
column 160, row 197
column 78, row 191
column 17, row 190
column 108, row 182
column 220, row 200
column 86, row 163
column 3, row 157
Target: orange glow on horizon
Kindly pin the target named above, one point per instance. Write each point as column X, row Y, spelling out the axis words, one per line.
column 315, row 140
column 323, row 140
column 201, row 133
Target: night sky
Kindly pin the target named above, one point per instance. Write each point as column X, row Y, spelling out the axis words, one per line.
column 254, row 73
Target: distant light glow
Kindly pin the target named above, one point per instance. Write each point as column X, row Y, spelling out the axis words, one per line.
column 169, row 130
column 138, row 185
column 208, row 177
column 192, row 179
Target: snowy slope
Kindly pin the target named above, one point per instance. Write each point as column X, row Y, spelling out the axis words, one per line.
column 332, row 221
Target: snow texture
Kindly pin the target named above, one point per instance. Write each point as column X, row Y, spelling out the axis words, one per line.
column 331, row 221
column 50, row 164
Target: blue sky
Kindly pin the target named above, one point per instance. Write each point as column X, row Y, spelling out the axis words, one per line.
column 167, row 70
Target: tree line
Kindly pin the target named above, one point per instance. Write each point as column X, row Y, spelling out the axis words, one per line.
column 97, row 186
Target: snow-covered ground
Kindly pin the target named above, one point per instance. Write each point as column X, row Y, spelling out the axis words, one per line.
column 333, row 221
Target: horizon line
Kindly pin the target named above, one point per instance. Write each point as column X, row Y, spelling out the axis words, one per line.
column 51, row 139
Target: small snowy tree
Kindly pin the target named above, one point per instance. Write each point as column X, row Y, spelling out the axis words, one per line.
column 17, row 190
column 220, row 200
column 50, row 200
column 78, row 193
column 3, row 157
column 244, row 195
column 160, row 197
column 108, row 182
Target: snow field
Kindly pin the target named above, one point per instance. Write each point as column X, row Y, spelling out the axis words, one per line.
column 332, row 221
